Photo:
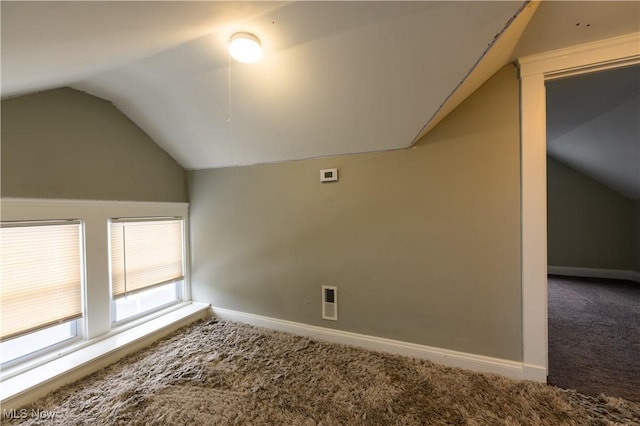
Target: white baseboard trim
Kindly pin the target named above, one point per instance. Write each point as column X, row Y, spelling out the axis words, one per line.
column 535, row 373
column 616, row 274
column 507, row 368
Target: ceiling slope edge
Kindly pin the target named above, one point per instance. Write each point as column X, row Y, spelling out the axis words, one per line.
column 495, row 57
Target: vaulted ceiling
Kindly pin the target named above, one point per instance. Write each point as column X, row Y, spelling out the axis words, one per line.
column 593, row 125
column 336, row 77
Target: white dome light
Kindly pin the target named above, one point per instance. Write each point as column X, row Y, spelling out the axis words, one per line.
column 245, row 47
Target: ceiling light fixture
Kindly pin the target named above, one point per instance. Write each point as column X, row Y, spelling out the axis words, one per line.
column 245, row 47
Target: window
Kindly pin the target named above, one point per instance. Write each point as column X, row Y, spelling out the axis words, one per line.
column 41, row 286
column 147, row 265
column 56, row 281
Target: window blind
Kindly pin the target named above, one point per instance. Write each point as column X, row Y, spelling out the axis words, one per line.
column 145, row 254
column 40, row 275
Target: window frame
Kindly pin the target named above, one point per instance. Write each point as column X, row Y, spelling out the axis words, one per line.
column 179, row 285
column 94, row 216
column 179, row 290
column 46, row 350
column 78, row 322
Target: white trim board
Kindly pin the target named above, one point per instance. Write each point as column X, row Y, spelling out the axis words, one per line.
column 95, row 215
column 24, row 388
column 56, row 202
column 534, row 70
column 615, row 274
column 507, row 368
column 598, row 55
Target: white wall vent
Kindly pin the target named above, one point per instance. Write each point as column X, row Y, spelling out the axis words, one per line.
column 330, row 302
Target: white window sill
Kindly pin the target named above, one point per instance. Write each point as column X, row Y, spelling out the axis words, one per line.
column 27, row 386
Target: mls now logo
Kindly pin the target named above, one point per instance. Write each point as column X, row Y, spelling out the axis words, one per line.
column 24, row 413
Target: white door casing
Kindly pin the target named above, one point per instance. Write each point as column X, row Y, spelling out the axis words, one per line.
column 534, row 71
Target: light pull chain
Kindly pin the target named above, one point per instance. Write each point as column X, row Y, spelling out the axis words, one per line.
column 229, row 90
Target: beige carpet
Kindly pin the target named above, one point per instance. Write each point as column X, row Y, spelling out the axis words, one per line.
column 221, row 373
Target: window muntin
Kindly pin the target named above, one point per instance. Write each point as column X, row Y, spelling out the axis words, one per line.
column 147, row 265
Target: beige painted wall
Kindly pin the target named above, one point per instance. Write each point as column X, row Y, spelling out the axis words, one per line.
column 423, row 244
column 67, row 144
column 589, row 225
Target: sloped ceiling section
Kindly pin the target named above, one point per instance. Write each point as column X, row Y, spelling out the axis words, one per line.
column 559, row 24
column 49, row 44
column 336, row 78
column 593, row 125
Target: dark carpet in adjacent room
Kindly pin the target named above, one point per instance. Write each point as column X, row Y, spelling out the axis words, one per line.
column 594, row 336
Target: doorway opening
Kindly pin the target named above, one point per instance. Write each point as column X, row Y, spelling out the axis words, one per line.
column 535, row 70
column 593, row 187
